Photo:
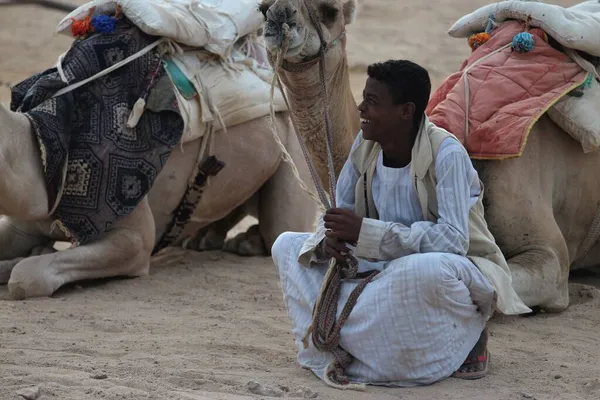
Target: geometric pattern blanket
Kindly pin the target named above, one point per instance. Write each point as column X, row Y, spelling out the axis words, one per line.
column 96, row 169
column 494, row 100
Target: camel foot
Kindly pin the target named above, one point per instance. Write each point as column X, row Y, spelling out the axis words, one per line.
column 123, row 250
column 29, row 278
column 18, row 239
column 249, row 243
column 561, row 302
column 206, row 241
column 7, row 266
column 41, row 276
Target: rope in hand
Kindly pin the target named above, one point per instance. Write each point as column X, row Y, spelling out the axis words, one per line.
column 325, row 329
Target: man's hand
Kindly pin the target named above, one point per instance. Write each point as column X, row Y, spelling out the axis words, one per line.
column 343, row 224
column 335, row 248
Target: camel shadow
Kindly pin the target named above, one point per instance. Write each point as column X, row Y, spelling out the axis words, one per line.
column 586, row 276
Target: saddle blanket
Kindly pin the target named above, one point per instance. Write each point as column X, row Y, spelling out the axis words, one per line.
column 96, row 169
column 492, row 103
column 576, row 28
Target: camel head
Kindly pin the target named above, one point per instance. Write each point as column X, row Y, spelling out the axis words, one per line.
column 331, row 16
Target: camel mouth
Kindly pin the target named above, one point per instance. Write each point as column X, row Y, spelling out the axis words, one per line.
column 365, row 121
column 297, row 40
column 294, row 51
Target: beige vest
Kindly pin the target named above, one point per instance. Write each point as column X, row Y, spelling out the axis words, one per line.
column 483, row 250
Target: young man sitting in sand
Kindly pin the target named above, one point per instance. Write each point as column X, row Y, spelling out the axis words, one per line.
column 418, row 220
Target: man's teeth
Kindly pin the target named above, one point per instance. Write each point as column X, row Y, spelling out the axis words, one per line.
column 365, row 121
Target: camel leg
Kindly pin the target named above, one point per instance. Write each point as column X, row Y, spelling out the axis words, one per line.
column 526, row 231
column 18, row 238
column 212, row 237
column 536, row 252
column 540, row 274
column 284, row 206
column 7, row 266
column 22, row 188
column 249, row 243
column 124, row 250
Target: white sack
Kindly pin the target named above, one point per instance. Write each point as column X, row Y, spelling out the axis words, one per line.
column 212, row 24
column 576, row 27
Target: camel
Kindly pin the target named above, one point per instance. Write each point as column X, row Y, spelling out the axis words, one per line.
column 540, row 207
column 301, row 82
column 254, row 182
column 300, row 75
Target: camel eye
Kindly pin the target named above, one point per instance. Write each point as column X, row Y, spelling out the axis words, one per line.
column 328, row 13
column 263, row 9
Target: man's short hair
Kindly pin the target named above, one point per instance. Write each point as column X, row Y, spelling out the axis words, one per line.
column 407, row 82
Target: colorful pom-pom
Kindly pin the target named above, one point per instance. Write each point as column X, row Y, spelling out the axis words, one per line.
column 104, row 23
column 478, row 39
column 82, row 27
column 99, row 23
column 522, row 42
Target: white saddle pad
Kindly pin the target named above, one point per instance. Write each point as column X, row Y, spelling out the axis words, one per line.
column 576, row 27
column 579, row 117
column 239, row 92
column 212, row 24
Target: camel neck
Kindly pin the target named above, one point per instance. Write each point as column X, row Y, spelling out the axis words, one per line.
column 307, row 102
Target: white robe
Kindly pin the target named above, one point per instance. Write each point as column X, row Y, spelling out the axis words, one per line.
column 416, row 322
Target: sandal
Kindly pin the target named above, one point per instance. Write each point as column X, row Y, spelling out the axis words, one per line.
column 477, row 362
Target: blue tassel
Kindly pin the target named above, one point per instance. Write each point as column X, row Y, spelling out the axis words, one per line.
column 523, row 42
column 104, row 24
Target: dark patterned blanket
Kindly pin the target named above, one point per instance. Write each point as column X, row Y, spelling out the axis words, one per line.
column 95, row 167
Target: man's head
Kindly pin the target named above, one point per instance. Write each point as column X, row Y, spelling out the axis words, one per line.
column 394, row 99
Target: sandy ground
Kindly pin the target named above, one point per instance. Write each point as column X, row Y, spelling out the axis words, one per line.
column 211, row 325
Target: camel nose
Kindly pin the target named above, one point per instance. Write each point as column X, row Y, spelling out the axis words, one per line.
column 276, row 17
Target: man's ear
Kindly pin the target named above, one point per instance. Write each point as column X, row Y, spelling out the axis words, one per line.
column 350, row 8
column 407, row 110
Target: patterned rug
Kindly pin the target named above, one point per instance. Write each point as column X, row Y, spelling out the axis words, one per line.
column 109, row 167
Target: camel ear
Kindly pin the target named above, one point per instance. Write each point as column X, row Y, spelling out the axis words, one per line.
column 350, row 8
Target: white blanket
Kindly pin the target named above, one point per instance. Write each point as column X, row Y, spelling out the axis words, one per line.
column 578, row 116
column 239, row 92
column 212, row 24
column 576, row 27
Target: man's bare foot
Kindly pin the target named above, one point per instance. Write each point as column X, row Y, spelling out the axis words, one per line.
column 477, row 362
